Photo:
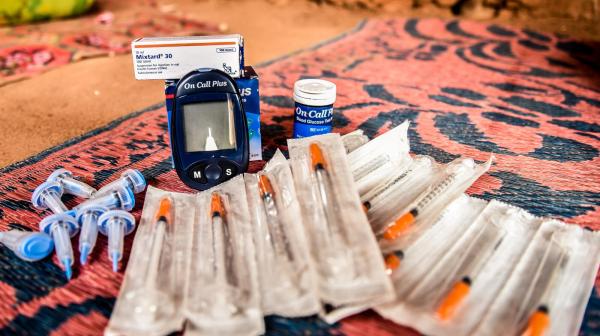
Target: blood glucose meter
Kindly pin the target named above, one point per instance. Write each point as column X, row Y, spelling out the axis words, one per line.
column 209, row 132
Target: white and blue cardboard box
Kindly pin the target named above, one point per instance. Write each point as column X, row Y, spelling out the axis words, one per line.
column 172, row 57
column 248, row 86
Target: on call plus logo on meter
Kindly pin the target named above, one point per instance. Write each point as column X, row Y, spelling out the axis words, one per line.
column 209, row 134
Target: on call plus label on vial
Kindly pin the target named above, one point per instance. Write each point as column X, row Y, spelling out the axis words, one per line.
column 312, row 120
column 313, row 111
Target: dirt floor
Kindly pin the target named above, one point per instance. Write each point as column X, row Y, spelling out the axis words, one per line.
column 50, row 108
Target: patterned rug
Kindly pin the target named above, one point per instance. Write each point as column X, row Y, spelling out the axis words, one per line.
column 468, row 88
column 30, row 49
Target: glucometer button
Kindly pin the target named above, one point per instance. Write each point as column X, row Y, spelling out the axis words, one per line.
column 197, row 173
column 212, row 172
column 229, row 169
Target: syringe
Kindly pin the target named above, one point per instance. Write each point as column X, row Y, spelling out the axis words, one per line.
column 278, row 237
column 539, row 321
column 382, row 188
column 221, row 251
column 338, row 261
column 154, row 300
column 478, row 253
column 394, row 230
column 319, row 166
column 370, row 167
column 163, row 219
column 217, row 211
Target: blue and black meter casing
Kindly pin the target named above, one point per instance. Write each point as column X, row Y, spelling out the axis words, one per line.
column 209, row 132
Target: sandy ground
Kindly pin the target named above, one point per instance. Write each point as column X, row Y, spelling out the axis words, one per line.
column 50, row 108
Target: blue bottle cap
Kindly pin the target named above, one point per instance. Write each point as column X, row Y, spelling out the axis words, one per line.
column 125, row 216
column 36, row 197
column 36, row 246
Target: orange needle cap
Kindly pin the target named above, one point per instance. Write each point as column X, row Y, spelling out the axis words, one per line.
column 316, row 157
column 164, row 211
column 392, row 261
column 216, row 205
column 365, row 208
column 265, row 186
column 454, row 298
column 399, row 226
column 538, row 323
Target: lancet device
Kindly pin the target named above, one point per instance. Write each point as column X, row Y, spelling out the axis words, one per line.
column 209, row 132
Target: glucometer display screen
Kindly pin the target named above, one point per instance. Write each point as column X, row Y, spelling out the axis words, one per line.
column 209, row 126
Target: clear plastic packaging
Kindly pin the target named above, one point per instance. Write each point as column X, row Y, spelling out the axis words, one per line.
column 286, row 274
column 354, row 139
column 453, row 180
column 461, row 285
column 445, row 286
column 151, row 296
column 372, row 162
column 520, row 227
column 395, row 194
column 348, row 261
column 568, row 293
column 452, row 291
column 222, row 294
column 537, row 263
column 550, row 286
column 420, row 257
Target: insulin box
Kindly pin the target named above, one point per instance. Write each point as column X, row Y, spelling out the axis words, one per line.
column 173, row 57
column 248, row 86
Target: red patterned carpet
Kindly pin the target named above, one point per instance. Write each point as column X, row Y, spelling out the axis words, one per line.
column 468, row 88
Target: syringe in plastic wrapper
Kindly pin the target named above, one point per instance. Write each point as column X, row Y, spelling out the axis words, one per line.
column 332, row 235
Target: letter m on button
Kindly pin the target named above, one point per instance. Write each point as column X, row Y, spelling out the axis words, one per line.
column 197, row 174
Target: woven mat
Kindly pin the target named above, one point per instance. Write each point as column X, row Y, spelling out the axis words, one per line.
column 468, row 88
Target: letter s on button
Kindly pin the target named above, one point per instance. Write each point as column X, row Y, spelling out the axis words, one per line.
column 228, row 168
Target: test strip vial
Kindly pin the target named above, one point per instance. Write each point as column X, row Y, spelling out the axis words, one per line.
column 313, row 112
